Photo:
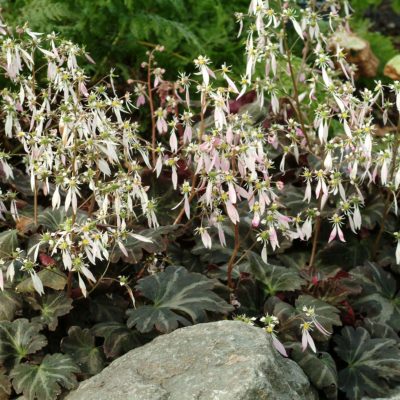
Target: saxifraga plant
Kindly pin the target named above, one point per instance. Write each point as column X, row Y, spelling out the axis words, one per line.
column 285, row 157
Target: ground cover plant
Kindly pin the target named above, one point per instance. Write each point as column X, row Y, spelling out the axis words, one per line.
column 272, row 199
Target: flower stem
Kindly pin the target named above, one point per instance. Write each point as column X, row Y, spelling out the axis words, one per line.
column 178, row 219
column 73, row 217
column 296, row 93
column 231, row 262
column 151, row 103
column 315, row 241
column 317, row 229
column 69, row 284
column 194, row 178
column 35, row 203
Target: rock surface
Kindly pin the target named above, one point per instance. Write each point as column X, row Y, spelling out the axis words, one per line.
column 225, row 360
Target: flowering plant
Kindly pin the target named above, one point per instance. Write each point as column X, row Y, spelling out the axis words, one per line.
column 110, row 200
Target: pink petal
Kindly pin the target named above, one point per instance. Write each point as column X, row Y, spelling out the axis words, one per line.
column 256, row 220
column 232, row 193
column 341, row 236
column 311, row 342
column 173, row 142
column 187, row 134
column 304, row 340
column 232, row 212
column 321, row 328
column 279, row 346
column 242, row 192
column 140, row 101
column 221, row 236
column 210, row 72
column 318, row 189
column 333, row 234
column 174, row 178
column 187, row 207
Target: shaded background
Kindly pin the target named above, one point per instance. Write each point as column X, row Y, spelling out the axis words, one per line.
column 117, row 33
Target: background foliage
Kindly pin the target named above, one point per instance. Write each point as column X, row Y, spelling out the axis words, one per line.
column 117, row 33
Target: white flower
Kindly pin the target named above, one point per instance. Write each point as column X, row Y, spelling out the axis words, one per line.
column 205, row 236
column 306, row 339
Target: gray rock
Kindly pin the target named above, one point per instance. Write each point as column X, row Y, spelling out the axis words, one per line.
column 226, row 360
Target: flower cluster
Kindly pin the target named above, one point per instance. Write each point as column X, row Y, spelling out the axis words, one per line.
column 234, row 159
column 307, row 325
column 270, row 323
column 78, row 150
column 238, row 166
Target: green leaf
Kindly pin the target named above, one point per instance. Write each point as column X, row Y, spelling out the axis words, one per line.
column 106, row 308
column 373, row 211
column 163, row 319
column 377, row 330
column 51, row 307
column 174, row 292
column 50, row 277
column 135, row 247
column 326, row 314
column 319, row 367
column 288, row 325
column 282, row 310
column 295, row 261
column 293, row 198
column 52, row 219
column 379, row 299
column 45, row 381
column 118, row 338
column 250, row 297
column 80, row 345
column 5, row 385
column 216, row 255
column 10, row 302
column 362, row 5
column 8, row 242
column 371, row 363
column 274, row 278
column 22, row 183
column 18, row 339
column 344, row 255
column 183, row 255
column 396, row 6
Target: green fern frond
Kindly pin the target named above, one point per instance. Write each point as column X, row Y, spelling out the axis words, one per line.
column 158, row 25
